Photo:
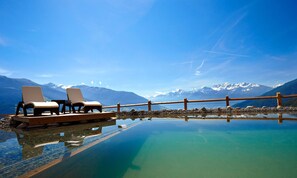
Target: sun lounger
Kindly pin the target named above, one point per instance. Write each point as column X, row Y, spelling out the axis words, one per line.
column 32, row 98
column 76, row 99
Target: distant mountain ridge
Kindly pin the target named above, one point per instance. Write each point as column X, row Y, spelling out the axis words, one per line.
column 217, row 91
column 11, row 91
column 285, row 89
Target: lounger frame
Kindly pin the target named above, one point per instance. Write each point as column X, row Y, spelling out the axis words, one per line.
column 36, row 111
column 76, row 99
column 86, row 109
column 34, row 95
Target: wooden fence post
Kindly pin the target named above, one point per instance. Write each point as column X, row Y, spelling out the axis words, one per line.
column 227, row 101
column 149, row 105
column 279, row 99
column 185, row 104
column 119, row 107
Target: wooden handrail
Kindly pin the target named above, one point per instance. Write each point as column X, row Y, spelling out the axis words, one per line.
column 168, row 102
column 253, row 98
column 290, row 96
column 206, row 100
column 278, row 97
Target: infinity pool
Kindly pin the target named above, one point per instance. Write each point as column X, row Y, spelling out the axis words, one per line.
column 178, row 148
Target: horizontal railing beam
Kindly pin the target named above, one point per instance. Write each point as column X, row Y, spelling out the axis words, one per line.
column 206, row 100
column 168, row 102
column 253, row 98
column 289, row 96
column 278, row 97
column 107, row 107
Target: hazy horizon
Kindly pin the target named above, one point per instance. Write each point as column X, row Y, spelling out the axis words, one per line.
column 149, row 46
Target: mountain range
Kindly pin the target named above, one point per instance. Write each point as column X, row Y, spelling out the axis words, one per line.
column 216, row 91
column 11, row 91
column 285, row 89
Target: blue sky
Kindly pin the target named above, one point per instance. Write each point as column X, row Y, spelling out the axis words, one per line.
column 149, row 46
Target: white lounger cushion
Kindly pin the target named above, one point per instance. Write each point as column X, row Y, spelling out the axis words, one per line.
column 44, row 104
column 89, row 103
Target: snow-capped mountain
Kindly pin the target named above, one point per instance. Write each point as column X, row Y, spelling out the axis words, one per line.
column 59, row 87
column 226, row 86
column 216, row 91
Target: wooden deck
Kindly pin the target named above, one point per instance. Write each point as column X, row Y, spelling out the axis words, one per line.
column 72, row 117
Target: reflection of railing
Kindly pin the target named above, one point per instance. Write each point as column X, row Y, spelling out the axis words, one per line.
column 149, row 104
column 279, row 118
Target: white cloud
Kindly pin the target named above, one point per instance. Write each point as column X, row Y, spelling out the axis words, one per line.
column 65, row 86
column 278, row 85
column 100, row 83
column 157, row 93
column 5, row 72
column 92, row 82
column 198, row 72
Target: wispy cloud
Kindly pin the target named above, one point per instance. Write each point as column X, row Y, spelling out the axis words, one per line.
column 278, row 85
column 277, row 58
column 3, row 42
column 182, row 63
column 227, row 26
column 220, row 66
column 5, row 72
column 157, row 93
column 46, row 76
column 65, row 86
column 198, row 69
column 90, row 71
column 226, row 53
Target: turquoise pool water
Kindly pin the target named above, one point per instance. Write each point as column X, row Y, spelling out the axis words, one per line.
column 217, row 146
column 197, row 148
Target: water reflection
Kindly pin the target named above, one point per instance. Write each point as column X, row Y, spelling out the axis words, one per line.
column 34, row 141
column 280, row 117
column 32, row 148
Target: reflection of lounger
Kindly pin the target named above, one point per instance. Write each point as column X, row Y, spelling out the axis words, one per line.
column 33, row 98
column 75, row 97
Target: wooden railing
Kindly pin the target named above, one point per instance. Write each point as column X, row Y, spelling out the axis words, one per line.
column 227, row 99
